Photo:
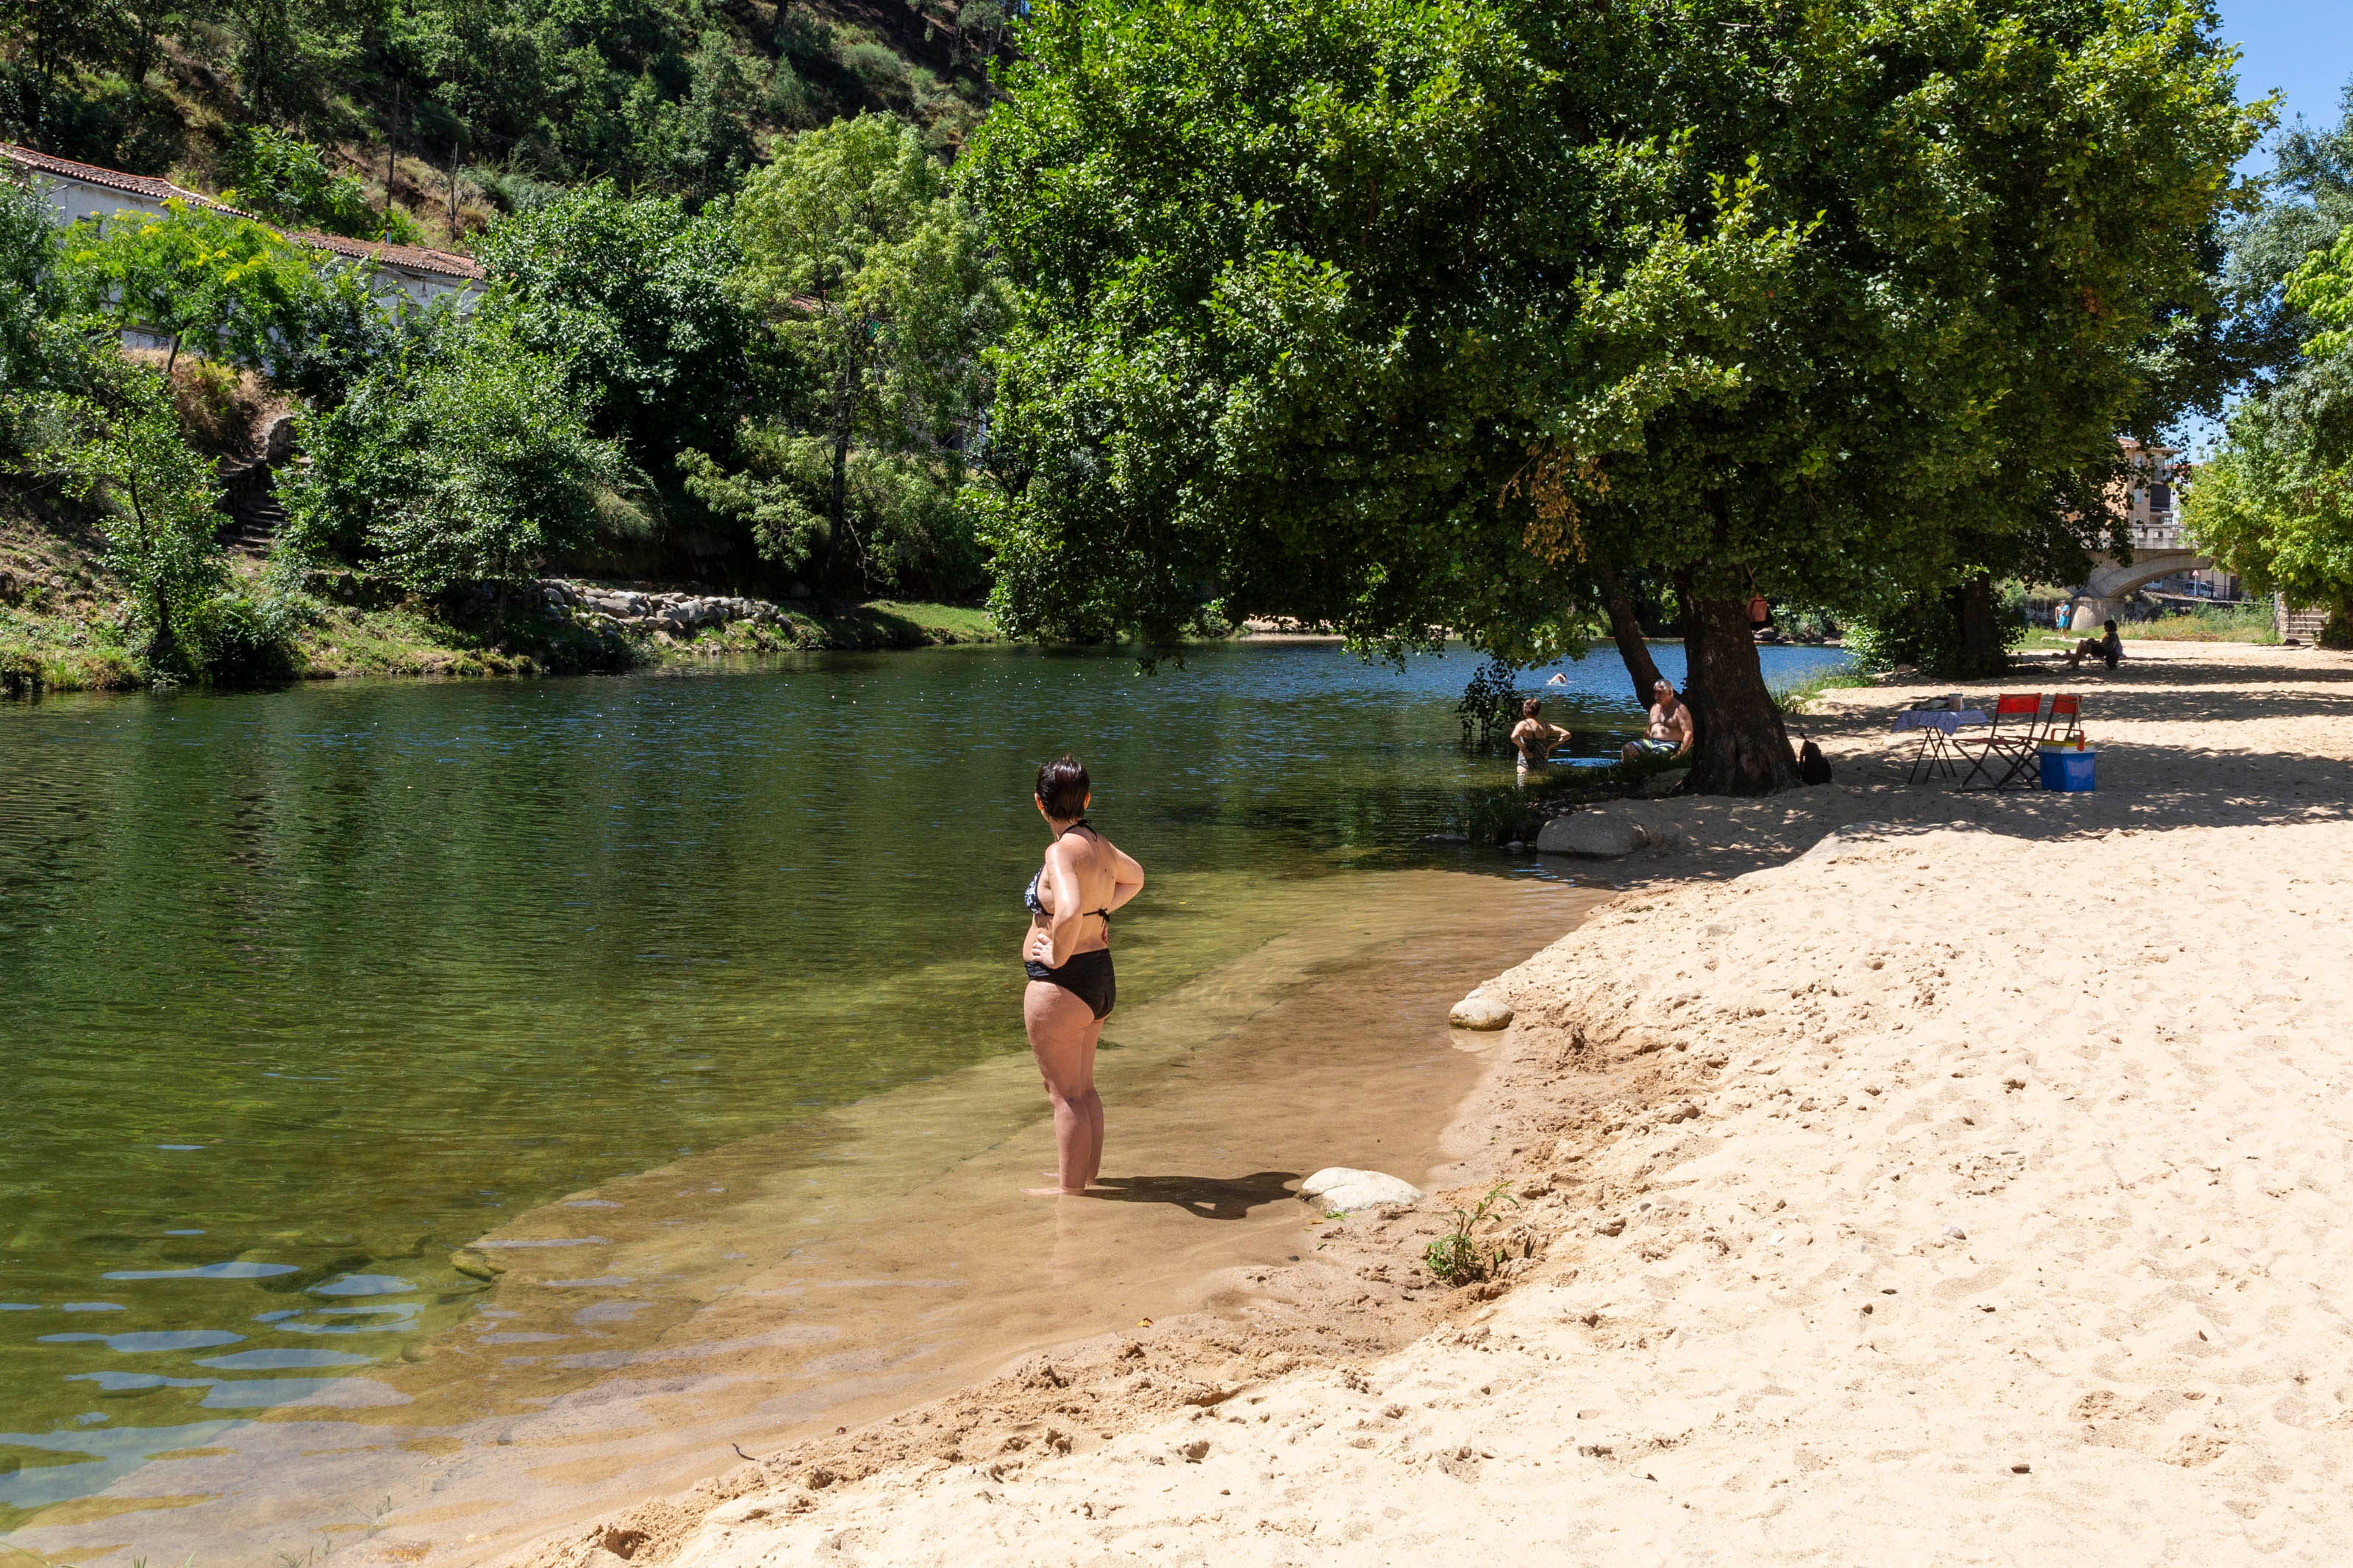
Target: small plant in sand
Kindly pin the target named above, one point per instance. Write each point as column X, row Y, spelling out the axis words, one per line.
column 1460, row 1256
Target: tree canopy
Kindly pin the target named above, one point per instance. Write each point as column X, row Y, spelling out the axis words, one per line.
column 2274, row 504
column 1401, row 316
column 870, row 274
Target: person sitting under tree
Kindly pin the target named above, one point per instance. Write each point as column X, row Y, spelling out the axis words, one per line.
column 2110, row 647
column 1670, row 734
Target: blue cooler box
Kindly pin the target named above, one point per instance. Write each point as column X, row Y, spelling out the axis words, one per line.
column 2068, row 769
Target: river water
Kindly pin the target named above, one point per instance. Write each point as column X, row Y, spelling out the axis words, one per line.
column 303, row 991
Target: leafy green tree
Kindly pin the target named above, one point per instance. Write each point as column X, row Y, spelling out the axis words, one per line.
column 2276, row 503
column 871, row 271
column 158, row 501
column 469, row 460
column 1399, row 318
column 28, row 292
column 630, row 298
column 289, row 52
column 233, row 289
column 285, row 179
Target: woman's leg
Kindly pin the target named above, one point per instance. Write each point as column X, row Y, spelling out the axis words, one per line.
column 1092, row 1104
column 1063, row 1032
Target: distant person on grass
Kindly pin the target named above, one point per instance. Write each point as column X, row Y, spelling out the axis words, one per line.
column 1671, row 727
column 1533, row 739
column 2110, row 647
column 1067, row 956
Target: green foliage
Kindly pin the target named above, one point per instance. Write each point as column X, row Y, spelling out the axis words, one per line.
column 904, row 526
column 283, row 178
column 1928, row 632
column 225, row 287
column 1398, row 316
column 28, row 292
column 667, row 97
column 469, row 458
column 629, row 299
column 1460, row 1256
column 157, row 500
column 2252, row 622
column 1298, row 288
column 872, row 275
column 2275, row 502
column 1490, row 705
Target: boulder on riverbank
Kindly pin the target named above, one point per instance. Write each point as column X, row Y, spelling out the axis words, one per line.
column 1480, row 1011
column 1590, row 833
column 1344, row 1187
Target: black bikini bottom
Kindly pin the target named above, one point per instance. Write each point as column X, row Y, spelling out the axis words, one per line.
column 1086, row 976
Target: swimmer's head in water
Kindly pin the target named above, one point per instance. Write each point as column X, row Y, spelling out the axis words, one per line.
column 1062, row 788
column 1529, row 708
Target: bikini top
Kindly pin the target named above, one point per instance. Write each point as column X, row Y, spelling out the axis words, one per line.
column 1029, row 895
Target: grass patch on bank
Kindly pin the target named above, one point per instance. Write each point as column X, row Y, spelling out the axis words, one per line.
column 941, row 623
column 62, row 653
column 2246, row 623
column 2242, row 623
column 1801, row 697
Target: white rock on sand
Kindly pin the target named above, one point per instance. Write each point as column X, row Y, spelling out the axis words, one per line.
column 1343, row 1187
column 1591, row 833
column 1976, row 1191
column 1480, row 1011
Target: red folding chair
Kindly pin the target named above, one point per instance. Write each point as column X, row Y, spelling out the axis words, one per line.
column 2005, row 752
column 2069, row 706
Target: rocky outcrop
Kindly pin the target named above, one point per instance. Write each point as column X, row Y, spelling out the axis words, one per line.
column 679, row 615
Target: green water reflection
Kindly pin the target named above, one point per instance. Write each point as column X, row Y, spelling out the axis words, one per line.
column 299, row 991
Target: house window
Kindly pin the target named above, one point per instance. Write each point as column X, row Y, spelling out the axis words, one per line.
column 2161, row 498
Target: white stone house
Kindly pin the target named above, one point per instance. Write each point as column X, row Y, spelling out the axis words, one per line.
column 404, row 276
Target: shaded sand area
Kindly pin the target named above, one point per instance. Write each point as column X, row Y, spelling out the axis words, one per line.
column 1900, row 1177
column 783, row 1287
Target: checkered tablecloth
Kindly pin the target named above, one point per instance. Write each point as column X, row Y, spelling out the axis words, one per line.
column 1942, row 718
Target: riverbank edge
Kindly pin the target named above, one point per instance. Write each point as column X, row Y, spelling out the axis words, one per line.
column 62, row 652
column 1191, row 1365
column 1584, row 1111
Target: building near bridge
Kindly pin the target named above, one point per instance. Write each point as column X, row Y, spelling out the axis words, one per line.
column 403, row 275
column 2163, row 558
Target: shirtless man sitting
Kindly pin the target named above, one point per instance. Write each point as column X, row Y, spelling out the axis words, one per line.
column 1671, row 727
column 1533, row 739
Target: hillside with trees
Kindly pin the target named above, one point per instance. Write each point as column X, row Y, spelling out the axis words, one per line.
column 732, row 325
column 1521, row 321
column 460, row 110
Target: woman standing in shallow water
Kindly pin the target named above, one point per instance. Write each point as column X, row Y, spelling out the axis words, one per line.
column 1067, row 956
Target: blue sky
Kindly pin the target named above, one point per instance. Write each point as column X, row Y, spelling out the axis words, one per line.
column 2304, row 47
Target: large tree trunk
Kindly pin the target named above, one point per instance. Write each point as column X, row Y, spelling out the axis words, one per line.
column 1740, row 747
column 1982, row 652
column 1626, row 630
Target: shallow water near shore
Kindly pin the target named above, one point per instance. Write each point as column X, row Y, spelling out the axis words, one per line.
column 306, row 991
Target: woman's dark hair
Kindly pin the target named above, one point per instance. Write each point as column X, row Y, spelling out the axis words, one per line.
column 1529, row 708
column 1062, row 787
column 2108, row 625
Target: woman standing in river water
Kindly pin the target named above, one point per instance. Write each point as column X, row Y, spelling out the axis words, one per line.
column 1067, row 956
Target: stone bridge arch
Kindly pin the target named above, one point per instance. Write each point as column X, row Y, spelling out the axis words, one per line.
column 2158, row 549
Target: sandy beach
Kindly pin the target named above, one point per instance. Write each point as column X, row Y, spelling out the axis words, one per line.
column 1900, row 1175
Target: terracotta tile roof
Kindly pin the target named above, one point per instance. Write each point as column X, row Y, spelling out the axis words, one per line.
column 112, row 179
column 416, row 258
